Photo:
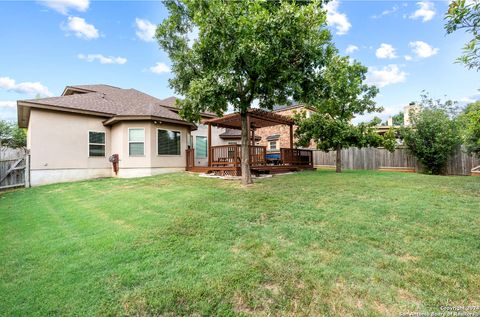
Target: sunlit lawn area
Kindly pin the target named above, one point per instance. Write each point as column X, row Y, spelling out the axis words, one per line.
column 314, row 243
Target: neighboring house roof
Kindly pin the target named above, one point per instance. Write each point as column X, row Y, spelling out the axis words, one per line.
column 273, row 137
column 290, row 107
column 235, row 134
column 170, row 103
column 113, row 103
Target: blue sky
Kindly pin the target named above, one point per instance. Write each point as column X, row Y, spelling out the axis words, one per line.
column 47, row 45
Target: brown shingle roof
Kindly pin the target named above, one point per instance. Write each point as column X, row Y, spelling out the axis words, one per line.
column 170, row 102
column 111, row 101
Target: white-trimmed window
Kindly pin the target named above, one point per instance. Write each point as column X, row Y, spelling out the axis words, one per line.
column 136, row 141
column 168, row 142
column 272, row 145
column 96, row 144
column 200, row 146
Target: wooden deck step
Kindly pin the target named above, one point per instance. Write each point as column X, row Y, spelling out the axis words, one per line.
column 475, row 173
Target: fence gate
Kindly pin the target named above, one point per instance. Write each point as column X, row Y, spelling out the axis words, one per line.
column 14, row 168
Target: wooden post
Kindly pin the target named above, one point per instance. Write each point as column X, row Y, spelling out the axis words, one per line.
column 27, row 169
column 209, row 146
column 291, row 136
column 249, row 135
column 253, row 137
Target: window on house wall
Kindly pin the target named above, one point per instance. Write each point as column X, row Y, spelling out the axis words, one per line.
column 136, row 142
column 168, row 142
column 201, row 147
column 273, row 145
column 96, row 143
column 232, row 143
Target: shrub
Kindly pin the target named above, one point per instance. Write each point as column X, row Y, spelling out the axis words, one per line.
column 432, row 138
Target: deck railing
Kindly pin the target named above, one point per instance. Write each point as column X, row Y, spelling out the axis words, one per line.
column 257, row 155
column 230, row 155
column 225, row 155
column 299, row 157
column 190, row 155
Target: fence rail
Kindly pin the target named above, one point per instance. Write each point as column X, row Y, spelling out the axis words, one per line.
column 460, row 162
column 14, row 168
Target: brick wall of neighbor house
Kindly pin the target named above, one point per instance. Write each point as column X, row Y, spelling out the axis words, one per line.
column 283, row 130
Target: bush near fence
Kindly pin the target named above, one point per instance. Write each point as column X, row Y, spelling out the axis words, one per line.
column 379, row 158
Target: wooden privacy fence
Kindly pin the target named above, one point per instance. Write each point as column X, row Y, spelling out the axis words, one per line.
column 379, row 158
column 14, row 168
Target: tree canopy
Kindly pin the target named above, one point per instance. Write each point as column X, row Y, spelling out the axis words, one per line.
column 11, row 135
column 434, row 133
column 398, row 118
column 235, row 53
column 465, row 15
column 470, row 121
column 338, row 94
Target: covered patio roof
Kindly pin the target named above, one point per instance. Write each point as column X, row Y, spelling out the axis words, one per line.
column 257, row 118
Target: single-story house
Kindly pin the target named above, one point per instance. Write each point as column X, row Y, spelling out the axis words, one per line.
column 71, row 137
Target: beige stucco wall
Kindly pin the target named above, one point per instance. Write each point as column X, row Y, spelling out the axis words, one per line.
column 150, row 163
column 58, row 144
column 59, row 140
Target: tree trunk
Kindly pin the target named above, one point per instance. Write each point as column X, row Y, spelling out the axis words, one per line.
column 338, row 161
column 245, row 151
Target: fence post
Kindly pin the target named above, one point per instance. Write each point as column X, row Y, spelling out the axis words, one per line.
column 27, row 170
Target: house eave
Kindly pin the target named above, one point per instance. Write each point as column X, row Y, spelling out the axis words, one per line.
column 119, row 118
column 23, row 111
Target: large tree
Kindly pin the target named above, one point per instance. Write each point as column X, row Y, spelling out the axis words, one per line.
column 338, row 94
column 234, row 53
column 465, row 15
column 434, row 133
column 470, row 122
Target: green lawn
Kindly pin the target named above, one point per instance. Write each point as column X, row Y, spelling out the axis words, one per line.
column 314, row 243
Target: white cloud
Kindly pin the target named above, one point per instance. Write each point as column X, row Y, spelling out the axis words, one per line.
column 422, row 49
column 64, row 6
column 102, row 59
column 408, row 57
column 145, row 30
column 8, row 110
column 386, row 75
column 426, row 11
column 28, row 88
column 469, row 99
column 385, row 51
column 81, row 28
column 394, row 9
column 351, row 49
column 337, row 19
column 160, row 68
column 8, row 104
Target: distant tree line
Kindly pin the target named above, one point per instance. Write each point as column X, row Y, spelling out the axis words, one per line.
column 11, row 135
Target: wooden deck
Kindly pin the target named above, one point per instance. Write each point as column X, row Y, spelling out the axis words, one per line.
column 225, row 160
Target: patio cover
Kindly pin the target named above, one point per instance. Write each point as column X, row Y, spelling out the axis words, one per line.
column 257, row 118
